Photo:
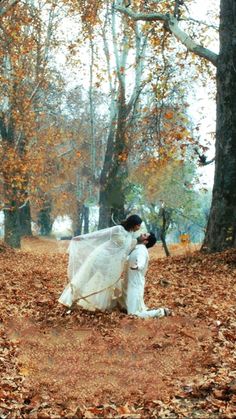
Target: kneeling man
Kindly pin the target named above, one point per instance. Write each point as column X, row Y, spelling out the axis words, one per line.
column 135, row 278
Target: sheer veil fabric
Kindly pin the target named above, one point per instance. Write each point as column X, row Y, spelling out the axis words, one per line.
column 96, row 262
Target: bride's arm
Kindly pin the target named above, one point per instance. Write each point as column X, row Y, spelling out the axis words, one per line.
column 105, row 234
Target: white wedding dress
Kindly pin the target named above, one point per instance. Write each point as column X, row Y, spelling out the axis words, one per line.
column 96, row 262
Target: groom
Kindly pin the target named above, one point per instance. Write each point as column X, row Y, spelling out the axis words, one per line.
column 133, row 296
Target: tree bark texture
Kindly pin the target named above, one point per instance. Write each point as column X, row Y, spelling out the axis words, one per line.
column 221, row 228
column 78, row 222
column 12, row 234
column 112, row 195
column 44, row 220
column 165, row 216
column 25, row 220
column 86, row 219
column 12, row 231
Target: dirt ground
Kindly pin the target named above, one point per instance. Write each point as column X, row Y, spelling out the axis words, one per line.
column 78, row 364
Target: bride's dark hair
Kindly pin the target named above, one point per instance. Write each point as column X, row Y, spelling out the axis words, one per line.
column 131, row 221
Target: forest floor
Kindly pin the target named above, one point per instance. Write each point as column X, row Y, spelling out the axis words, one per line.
column 79, row 364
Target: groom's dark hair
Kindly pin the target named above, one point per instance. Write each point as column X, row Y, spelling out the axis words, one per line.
column 151, row 240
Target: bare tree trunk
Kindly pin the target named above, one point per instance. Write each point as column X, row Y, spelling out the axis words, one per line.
column 12, row 233
column 44, row 219
column 163, row 240
column 114, row 173
column 221, row 228
column 25, row 220
column 112, row 196
column 86, row 219
column 165, row 225
column 78, row 222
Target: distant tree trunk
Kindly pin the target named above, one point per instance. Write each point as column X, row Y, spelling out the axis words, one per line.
column 44, row 220
column 104, row 202
column 12, row 228
column 104, row 210
column 221, row 228
column 25, row 220
column 112, row 196
column 111, row 203
column 163, row 240
column 81, row 225
column 86, row 219
column 12, row 233
column 78, row 222
column 163, row 213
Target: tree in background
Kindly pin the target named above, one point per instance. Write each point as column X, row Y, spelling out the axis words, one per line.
column 168, row 190
column 17, row 116
column 124, row 97
column 221, row 228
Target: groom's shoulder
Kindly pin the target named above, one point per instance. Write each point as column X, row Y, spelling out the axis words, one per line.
column 141, row 248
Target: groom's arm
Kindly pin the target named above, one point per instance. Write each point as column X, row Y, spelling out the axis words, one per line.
column 137, row 260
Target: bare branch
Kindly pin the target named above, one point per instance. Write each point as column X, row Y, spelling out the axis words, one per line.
column 202, row 158
column 189, row 43
column 3, row 208
column 66, row 152
column 171, row 23
column 208, row 162
column 140, row 54
column 20, row 136
column 149, row 17
column 200, row 22
column 23, row 205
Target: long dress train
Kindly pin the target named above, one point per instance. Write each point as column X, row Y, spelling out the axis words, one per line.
column 96, row 262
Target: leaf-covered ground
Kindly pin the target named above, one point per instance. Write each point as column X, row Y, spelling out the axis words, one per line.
column 55, row 364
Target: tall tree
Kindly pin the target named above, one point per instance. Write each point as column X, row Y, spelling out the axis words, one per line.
column 16, row 114
column 114, row 172
column 221, row 228
column 25, row 42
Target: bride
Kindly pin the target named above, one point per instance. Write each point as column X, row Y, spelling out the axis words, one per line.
column 96, row 262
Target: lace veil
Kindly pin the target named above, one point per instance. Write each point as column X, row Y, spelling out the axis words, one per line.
column 96, row 262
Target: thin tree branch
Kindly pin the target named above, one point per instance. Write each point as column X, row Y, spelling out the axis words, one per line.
column 200, row 22
column 3, row 208
column 171, row 23
column 140, row 54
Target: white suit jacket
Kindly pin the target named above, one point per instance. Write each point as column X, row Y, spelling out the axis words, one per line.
column 138, row 259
